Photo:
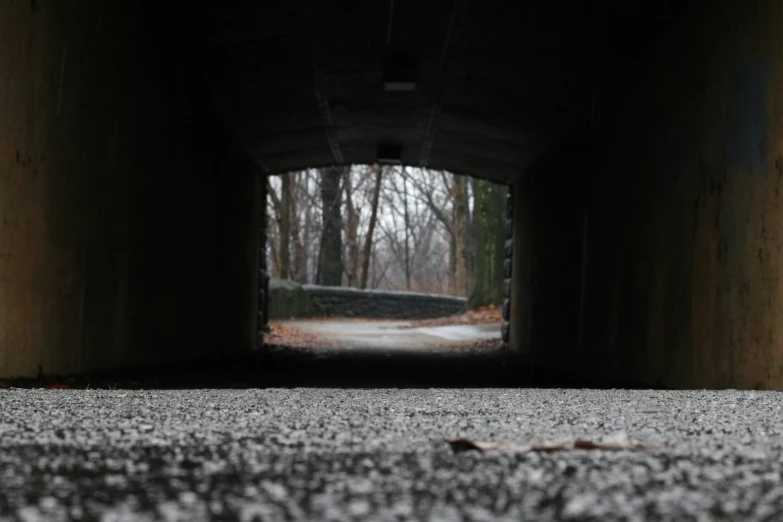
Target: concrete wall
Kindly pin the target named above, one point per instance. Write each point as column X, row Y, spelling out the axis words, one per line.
column 547, row 258
column 685, row 239
column 127, row 217
column 289, row 300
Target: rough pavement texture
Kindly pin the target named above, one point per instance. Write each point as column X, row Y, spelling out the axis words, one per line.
column 328, row 454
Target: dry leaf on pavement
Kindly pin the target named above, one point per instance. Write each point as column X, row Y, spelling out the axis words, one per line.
column 617, row 443
column 484, row 315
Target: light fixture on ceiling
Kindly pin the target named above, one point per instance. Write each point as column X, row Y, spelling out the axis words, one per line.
column 399, row 72
column 390, row 153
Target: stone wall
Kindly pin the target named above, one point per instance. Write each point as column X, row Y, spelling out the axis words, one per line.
column 289, row 300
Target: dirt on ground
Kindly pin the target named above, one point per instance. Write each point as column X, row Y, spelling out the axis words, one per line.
column 484, row 315
column 282, row 339
column 293, row 338
column 283, row 336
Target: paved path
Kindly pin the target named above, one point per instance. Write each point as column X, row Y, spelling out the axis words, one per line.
column 393, row 335
column 328, row 454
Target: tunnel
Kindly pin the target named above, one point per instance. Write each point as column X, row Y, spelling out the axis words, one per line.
column 641, row 142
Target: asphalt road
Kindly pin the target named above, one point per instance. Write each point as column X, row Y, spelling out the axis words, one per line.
column 329, row 454
column 393, row 336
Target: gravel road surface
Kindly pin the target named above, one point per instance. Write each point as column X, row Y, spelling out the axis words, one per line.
column 339, row 454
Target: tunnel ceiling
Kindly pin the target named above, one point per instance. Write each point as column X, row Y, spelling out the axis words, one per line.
column 302, row 82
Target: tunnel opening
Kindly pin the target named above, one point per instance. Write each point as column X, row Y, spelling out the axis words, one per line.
column 378, row 262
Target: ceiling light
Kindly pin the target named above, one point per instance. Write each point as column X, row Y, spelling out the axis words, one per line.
column 399, row 72
column 390, row 153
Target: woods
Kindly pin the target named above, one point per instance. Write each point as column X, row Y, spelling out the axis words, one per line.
column 389, row 228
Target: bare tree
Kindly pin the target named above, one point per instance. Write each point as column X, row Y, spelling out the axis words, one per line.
column 331, row 264
column 273, row 228
column 489, row 220
column 393, row 228
column 298, row 270
column 368, row 239
column 351, row 230
column 285, row 226
column 460, row 197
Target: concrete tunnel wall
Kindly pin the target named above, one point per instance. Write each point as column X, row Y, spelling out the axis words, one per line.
column 128, row 223
column 128, row 216
column 685, row 223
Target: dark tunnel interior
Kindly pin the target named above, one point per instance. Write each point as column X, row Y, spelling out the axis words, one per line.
column 495, row 97
column 638, row 139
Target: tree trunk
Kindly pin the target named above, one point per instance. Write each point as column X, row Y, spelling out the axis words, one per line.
column 285, row 227
column 371, row 229
column 331, row 265
column 273, row 233
column 470, row 235
column 489, row 221
column 407, row 222
column 351, row 231
column 299, row 265
column 460, row 199
column 307, row 238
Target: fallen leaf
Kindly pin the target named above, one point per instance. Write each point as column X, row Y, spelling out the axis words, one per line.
column 617, row 443
column 460, row 445
column 281, row 335
column 485, row 315
column 58, row 387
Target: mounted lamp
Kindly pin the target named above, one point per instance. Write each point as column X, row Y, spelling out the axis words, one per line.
column 399, row 72
column 390, row 153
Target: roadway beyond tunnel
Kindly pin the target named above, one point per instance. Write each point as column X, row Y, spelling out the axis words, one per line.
column 394, row 337
column 339, row 455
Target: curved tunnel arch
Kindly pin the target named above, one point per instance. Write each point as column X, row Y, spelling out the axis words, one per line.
column 305, row 87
